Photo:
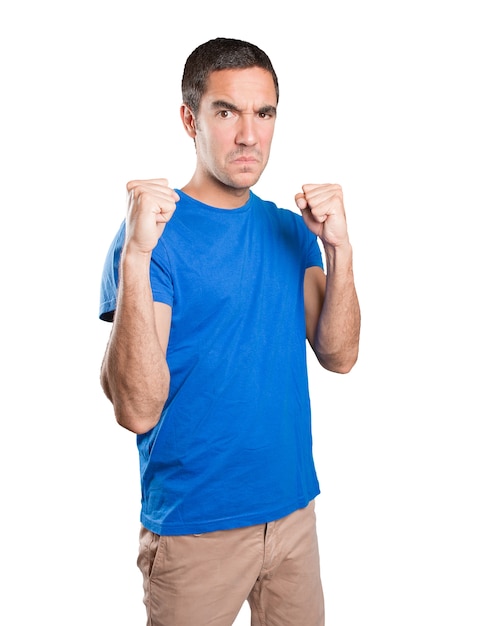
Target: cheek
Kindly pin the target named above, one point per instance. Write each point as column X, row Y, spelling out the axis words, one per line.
column 265, row 137
column 214, row 141
column 218, row 146
column 204, row 146
column 268, row 136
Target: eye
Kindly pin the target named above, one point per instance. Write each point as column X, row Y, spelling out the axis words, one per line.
column 267, row 113
column 225, row 114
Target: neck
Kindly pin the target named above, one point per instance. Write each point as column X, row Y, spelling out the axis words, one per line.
column 216, row 194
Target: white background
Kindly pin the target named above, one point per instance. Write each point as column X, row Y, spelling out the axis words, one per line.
column 385, row 98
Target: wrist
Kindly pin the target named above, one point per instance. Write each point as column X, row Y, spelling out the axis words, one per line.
column 339, row 257
column 132, row 255
column 134, row 264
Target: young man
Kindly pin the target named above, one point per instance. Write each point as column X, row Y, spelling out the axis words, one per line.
column 216, row 292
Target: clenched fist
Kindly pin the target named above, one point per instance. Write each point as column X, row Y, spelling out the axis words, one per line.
column 322, row 208
column 151, row 204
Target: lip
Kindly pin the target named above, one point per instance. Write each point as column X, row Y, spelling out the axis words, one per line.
column 245, row 160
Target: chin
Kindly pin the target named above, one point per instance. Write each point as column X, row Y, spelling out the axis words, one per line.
column 245, row 180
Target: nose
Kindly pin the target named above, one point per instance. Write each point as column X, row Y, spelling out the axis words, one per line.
column 246, row 134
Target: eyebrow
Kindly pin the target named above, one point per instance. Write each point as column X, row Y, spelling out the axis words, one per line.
column 222, row 104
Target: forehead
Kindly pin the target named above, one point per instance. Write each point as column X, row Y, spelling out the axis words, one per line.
column 241, row 85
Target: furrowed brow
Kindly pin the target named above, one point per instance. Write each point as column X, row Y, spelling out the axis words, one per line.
column 229, row 106
column 269, row 108
column 222, row 104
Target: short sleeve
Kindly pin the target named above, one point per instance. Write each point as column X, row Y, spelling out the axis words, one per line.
column 109, row 278
column 161, row 275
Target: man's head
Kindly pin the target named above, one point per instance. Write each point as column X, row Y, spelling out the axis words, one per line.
column 230, row 96
column 220, row 54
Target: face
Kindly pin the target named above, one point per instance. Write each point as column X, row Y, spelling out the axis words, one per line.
column 234, row 127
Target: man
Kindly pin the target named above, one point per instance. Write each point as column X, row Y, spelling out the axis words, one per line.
column 216, row 292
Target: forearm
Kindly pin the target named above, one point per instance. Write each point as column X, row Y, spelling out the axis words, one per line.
column 337, row 339
column 135, row 375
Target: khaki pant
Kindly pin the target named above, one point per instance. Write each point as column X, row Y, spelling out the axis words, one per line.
column 203, row 580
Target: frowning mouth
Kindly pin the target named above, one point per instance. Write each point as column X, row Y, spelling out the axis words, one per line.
column 244, row 160
column 244, row 156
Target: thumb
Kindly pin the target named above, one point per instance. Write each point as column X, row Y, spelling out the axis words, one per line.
column 300, row 201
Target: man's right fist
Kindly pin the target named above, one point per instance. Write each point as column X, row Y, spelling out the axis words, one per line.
column 151, row 204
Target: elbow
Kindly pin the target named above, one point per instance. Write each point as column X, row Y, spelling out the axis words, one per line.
column 138, row 415
column 343, row 368
column 135, row 423
column 140, row 419
column 340, row 368
column 338, row 363
column 137, row 402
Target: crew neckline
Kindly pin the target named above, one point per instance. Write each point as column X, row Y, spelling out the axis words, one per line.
column 210, row 207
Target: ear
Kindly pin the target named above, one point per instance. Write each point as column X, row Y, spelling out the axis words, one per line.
column 188, row 120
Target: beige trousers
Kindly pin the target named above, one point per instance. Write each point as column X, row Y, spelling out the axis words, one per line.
column 203, row 580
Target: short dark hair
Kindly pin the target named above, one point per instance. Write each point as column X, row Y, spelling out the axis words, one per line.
column 220, row 54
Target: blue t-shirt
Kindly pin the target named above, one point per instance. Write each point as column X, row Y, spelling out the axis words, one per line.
column 233, row 446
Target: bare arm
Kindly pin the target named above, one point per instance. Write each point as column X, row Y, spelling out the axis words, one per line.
column 331, row 303
column 134, row 372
